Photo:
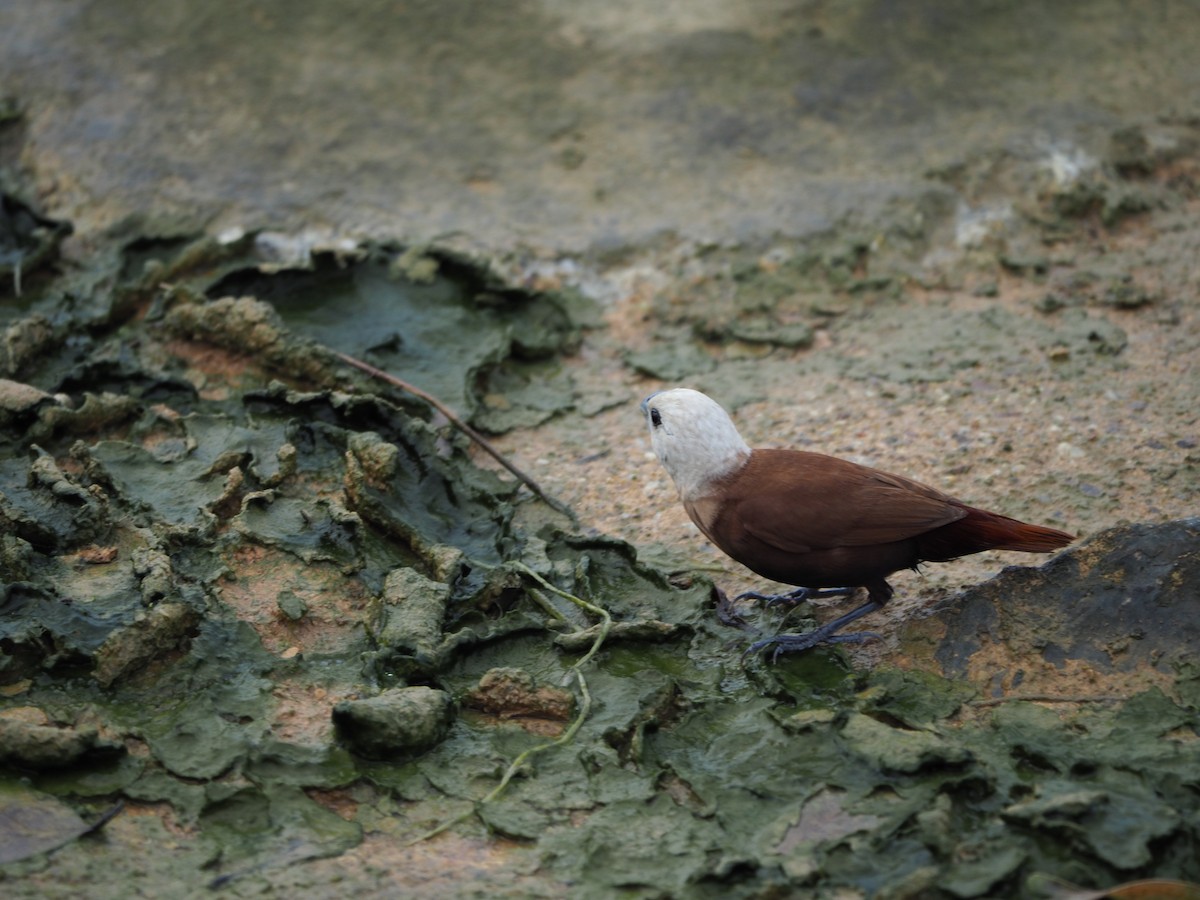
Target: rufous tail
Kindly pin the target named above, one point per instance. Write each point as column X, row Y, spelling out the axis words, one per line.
column 981, row 530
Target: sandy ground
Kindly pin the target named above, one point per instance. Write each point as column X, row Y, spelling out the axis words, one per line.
column 1115, row 441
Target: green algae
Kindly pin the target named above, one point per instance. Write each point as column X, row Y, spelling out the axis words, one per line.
column 315, row 532
column 410, row 614
column 484, row 349
column 46, row 508
column 673, row 361
column 28, row 241
column 915, row 698
column 897, row 750
column 658, row 856
column 264, row 828
column 180, row 488
column 692, row 773
column 151, row 634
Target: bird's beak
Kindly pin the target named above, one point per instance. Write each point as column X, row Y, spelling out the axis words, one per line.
column 646, row 402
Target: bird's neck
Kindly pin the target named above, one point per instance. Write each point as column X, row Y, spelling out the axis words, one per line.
column 698, row 476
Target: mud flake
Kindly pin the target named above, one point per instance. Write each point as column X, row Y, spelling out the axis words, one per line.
column 511, row 693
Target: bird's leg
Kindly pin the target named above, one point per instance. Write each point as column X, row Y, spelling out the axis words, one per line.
column 798, row 596
column 826, row 634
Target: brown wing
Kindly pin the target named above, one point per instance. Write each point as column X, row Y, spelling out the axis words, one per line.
column 799, row 502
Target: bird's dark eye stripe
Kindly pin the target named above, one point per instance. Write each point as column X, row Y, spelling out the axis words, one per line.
column 655, row 418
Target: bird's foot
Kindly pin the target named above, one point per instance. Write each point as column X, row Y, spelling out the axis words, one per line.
column 798, row 596
column 826, row 634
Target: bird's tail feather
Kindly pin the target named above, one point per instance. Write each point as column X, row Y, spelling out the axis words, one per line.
column 980, row 530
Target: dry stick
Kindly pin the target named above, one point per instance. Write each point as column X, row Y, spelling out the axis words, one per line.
column 585, row 707
column 605, row 618
column 461, row 426
column 1045, row 698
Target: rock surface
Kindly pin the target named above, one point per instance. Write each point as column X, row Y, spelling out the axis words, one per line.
column 396, row 722
column 952, row 240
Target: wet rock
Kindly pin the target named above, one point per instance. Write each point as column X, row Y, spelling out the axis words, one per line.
column 1123, row 599
column 18, row 399
column 32, row 822
column 824, row 818
column 291, row 605
column 1077, row 816
column 156, row 575
column 49, row 509
column 510, row 693
column 251, row 326
column 96, row 412
column 157, row 631
column 29, row 740
column 416, row 265
column 27, row 241
column 1125, row 293
column 898, row 750
column 525, row 396
column 23, row 341
column 431, row 316
column 16, row 557
column 378, row 457
column 410, row 613
column 414, row 496
column 396, row 722
column 320, row 530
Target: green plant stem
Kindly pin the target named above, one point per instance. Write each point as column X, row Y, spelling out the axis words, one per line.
column 585, row 704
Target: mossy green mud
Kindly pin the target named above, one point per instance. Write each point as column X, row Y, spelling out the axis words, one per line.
column 266, row 624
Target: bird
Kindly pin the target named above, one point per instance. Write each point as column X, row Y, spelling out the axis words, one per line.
column 826, row 526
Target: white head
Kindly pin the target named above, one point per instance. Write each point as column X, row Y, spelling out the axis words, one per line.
column 694, row 439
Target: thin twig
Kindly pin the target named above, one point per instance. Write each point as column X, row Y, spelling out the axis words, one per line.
column 605, row 618
column 585, row 707
column 1045, row 698
column 461, row 426
column 547, row 607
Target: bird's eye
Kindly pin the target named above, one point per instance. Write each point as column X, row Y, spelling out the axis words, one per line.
column 655, row 418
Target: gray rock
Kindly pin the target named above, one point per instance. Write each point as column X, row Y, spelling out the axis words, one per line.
column 1126, row 598
column 399, row 721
